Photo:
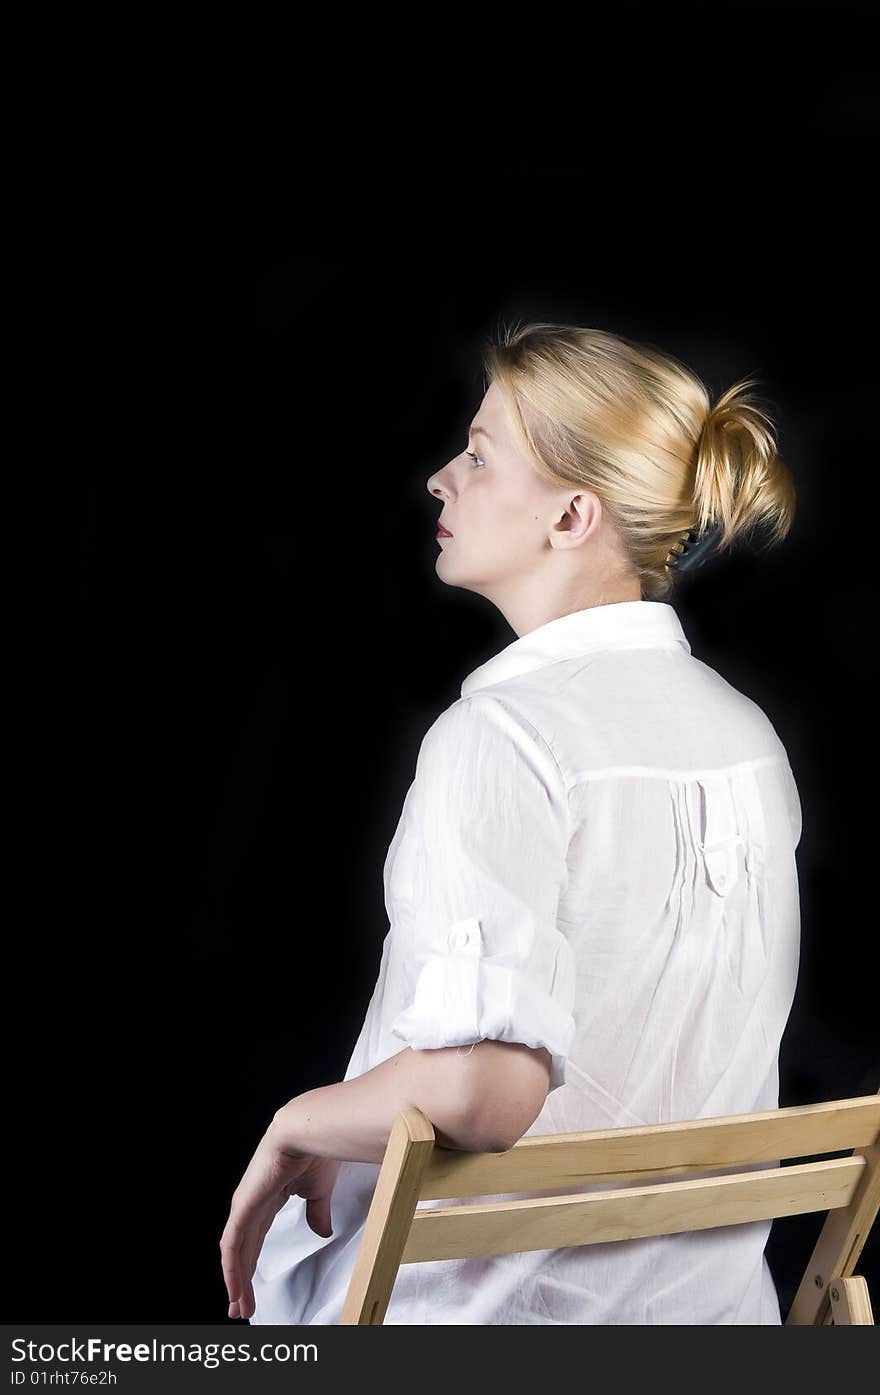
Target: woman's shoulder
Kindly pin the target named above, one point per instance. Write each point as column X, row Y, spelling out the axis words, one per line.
column 487, row 731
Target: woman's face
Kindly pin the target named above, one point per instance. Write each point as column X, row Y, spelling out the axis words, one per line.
column 497, row 507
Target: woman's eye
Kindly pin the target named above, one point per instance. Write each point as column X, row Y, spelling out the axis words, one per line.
column 476, row 458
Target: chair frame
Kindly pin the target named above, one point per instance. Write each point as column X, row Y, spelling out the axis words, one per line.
column 415, row 1168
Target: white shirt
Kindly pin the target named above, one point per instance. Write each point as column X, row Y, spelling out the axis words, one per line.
column 596, row 855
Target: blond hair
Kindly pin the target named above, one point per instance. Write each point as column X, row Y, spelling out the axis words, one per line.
column 636, row 427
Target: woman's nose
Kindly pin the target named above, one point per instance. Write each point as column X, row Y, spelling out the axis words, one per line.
column 443, row 483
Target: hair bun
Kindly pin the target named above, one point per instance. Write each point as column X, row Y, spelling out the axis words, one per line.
column 679, row 477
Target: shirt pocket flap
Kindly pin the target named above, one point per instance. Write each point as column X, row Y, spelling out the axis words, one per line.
column 720, row 838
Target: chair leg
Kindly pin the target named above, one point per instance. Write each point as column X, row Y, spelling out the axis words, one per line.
column 851, row 1302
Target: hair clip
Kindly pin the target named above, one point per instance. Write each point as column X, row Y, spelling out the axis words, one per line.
column 694, row 549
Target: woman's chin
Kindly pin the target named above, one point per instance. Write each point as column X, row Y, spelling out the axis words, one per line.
column 443, row 569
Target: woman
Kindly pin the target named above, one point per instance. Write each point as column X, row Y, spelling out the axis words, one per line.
column 592, row 890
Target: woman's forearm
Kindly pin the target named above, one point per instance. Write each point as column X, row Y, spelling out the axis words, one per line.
column 352, row 1119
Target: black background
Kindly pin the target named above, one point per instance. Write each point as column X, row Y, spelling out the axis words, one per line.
column 255, row 641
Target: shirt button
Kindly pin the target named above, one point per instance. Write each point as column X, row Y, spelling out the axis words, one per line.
column 459, row 938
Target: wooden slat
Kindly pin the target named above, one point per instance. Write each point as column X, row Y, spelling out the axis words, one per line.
column 388, row 1220
column 459, row 1232
column 851, row 1303
column 837, row 1250
column 575, row 1160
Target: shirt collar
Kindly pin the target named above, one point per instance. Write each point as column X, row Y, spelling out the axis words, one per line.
column 622, row 625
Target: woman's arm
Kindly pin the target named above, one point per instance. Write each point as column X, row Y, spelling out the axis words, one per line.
column 480, row 1099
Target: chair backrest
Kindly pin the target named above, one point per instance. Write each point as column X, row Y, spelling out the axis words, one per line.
column 415, row 1169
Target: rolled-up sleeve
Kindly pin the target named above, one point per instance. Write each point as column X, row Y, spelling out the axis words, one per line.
column 492, row 832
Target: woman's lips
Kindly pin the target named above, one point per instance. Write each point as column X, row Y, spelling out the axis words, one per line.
column 443, row 532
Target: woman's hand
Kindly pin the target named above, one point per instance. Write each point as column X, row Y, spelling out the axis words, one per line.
column 276, row 1172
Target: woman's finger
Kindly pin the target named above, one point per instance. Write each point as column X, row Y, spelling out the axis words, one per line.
column 233, row 1249
column 251, row 1253
column 246, row 1212
column 318, row 1215
column 229, row 1265
column 256, row 1202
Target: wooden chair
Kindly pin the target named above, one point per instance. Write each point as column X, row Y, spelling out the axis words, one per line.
column 415, row 1168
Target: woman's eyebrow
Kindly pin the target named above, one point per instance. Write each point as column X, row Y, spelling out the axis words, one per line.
column 480, row 431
